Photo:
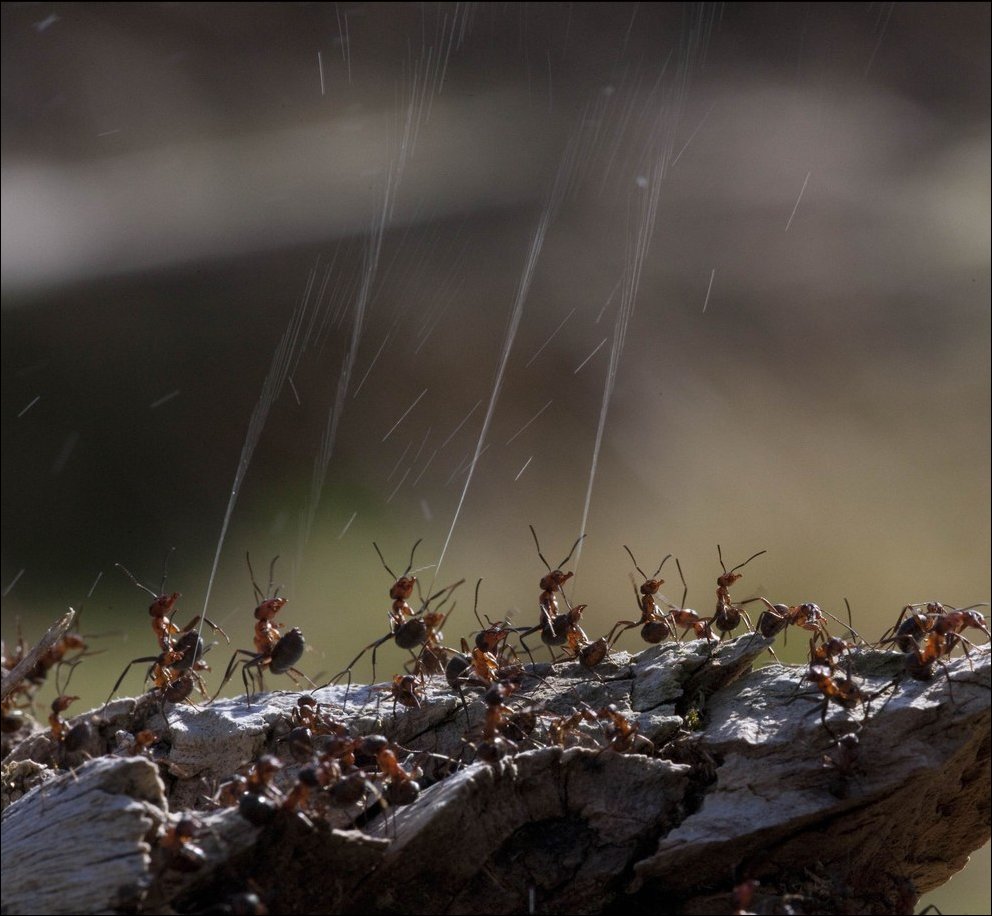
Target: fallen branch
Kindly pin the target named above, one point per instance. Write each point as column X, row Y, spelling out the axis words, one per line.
column 742, row 783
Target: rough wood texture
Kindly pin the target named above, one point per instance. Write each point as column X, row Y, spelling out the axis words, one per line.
column 739, row 788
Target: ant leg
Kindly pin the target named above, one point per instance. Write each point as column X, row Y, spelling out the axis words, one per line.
column 134, row 661
column 524, row 645
column 230, row 670
column 213, row 626
column 302, row 675
column 626, row 624
column 347, row 669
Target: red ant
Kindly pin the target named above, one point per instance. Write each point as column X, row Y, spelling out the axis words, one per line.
column 728, row 615
column 554, row 581
column 407, row 628
column 407, row 690
column 494, row 745
column 401, row 786
column 278, row 653
column 59, row 705
column 622, row 734
column 160, row 609
column 655, row 626
column 259, row 797
column 178, row 841
column 687, row 618
column 909, row 630
column 174, row 671
column 842, row 690
column 844, row 763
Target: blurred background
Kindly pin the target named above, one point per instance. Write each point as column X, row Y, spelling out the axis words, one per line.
column 680, row 275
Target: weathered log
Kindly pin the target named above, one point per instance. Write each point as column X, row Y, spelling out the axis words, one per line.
column 742, row 781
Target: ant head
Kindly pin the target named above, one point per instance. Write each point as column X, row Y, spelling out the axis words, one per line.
column 976, row 620
column 652, row 583
column 554, row 580
column 651, row 586
column 730, row 577
column 402, row 588
column 163, row 604
column 269, row 608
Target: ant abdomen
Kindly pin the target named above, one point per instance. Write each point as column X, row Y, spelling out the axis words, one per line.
column 411, row 634
column 655, row 631
column 287, row 652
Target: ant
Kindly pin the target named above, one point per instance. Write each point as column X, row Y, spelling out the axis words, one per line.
column 173, row 673
column 685, row 617
column 401, row 785
column 554, row 581
column 778, row 617
column 175, row 669
column 494, row 746
column 160, row 609
column 727, row 616
column 407, row 628
column 273, row 651
column 492, row 637
column 564, row 731
column 844, row 763
column 842, row 690
column 59, row 705
column 407, row 690
column 178, row 841
column 559, row 630
column 655, row 626
column 909, row 630
column 258, row 798
column 622, row 734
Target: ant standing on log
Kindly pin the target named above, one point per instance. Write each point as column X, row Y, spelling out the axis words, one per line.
column 273, row 651
column 654, row 624
column 728, row 615
column 175, row 670
column 555, row 628
column 407, row 628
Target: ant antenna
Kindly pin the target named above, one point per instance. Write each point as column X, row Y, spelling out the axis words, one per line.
column 259, row 597
column 638, row 568
column 685, row 588
column 739, row 565
column 272, row 576
column 475, row 607
column 538, row 546
column 412, row 552
column 383, row 560
column 662, row 563
column 165, row 569
column 569, row 557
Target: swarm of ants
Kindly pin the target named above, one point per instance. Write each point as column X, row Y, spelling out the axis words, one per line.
column 324, row 771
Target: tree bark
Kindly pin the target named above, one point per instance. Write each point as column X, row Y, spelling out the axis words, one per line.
column 741, row 780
